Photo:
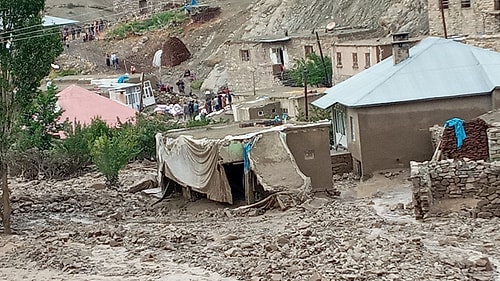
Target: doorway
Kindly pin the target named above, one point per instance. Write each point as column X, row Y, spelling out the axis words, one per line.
column 236, row 178
column 143, row 6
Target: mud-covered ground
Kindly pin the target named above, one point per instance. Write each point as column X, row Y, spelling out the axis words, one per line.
column 72, row 230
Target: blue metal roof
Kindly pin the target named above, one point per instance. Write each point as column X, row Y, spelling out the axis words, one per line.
column 436, row 68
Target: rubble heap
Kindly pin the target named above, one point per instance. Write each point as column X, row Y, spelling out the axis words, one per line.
column 475, row 146
column 174, row 52
column 73, row 227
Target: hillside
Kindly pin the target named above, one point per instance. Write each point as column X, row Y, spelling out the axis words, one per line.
column 240, row 19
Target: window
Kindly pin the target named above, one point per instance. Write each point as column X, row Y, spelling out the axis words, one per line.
column 465, row 3
column 308, row 50
column 339, row 59
column 352, row 126
column 497, row 4
column 367, row 60
column 339, row 119
column 143, row 6
column 260, row 113
column 444, row 4
column 309, row 155
column 354, row 60
column 245, row 55
column 284, row 110
column 273, row 110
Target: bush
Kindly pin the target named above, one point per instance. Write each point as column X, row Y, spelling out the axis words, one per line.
column 196, row 84
column 198, row 123
column 145, row 130
column 111, row 154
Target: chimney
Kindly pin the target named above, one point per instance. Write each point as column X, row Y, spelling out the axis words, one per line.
column 400, row 47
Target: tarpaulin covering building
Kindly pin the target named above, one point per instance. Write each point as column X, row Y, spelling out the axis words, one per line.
column 225, row 161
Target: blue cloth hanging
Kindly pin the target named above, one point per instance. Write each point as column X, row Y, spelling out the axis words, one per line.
column 247, row 147
column 458, row 125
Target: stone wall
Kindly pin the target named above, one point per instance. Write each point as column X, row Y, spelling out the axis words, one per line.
column 449, row 179
column 494, row 142
column 130, row 9
column 341, row 162
column 478, row 19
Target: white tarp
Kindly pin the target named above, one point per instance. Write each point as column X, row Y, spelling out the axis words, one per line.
column 194, row 163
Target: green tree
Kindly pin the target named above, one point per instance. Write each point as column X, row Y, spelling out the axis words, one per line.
column 315, row 70
column 111, row 154
column 39, row 122
column 26, row 52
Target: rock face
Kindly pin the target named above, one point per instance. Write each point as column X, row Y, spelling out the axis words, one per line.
column 295, row 16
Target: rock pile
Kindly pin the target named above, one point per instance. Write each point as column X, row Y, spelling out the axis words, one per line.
column 73, row 228
column 174, row 52
column 475, row 146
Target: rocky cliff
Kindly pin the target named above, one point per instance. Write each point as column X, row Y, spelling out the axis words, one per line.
column 275, row 16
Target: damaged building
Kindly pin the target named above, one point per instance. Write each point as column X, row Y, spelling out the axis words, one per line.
column 232, row 163
column 462, row 173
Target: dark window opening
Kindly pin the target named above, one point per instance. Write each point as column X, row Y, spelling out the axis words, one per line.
column 354, row 60
column 236, row 177
column 245, row 55
column 339, row 59
column 308, row 50
column 465, row 3
column 497, row 4
column 444, row 4
column 367, row 60
column 143, row 6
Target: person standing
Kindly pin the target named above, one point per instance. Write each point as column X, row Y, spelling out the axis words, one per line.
column 186, row 110
column 108, row 60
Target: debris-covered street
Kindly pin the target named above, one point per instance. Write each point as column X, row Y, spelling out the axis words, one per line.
column 74, row 230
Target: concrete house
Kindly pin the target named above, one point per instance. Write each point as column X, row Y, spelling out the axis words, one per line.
column 477, row 21
column 383, row 114
column 352, row 57
column 259, row 62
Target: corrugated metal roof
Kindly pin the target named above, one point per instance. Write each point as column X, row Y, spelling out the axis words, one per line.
column 436, row 68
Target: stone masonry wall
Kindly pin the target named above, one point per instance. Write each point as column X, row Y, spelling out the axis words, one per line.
column 478, row 19
column 448, row 179
column 341, row 163
column 494, row 142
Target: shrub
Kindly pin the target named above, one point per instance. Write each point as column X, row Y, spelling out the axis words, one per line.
column 196, row 84
column 111, row 154
column 145, row 130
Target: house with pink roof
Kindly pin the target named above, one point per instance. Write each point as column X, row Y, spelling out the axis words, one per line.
column 81, row 106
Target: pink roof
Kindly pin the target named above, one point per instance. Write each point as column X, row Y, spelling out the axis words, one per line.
column 82, row 106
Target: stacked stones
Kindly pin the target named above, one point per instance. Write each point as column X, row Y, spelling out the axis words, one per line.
column 475, row 146
column 494, row 141
column 457, row 179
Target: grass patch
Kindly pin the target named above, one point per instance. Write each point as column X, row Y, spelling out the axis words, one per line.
column 156, row 22
column 67, row 72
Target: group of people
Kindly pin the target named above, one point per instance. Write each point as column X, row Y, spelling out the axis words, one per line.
column 112, row 61
column 88, row 33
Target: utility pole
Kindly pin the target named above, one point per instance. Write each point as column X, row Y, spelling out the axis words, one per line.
column 441, row 7
column 327, row 78
column 305, row 95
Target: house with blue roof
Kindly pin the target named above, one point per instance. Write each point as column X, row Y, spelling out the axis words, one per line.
column 383, row 114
